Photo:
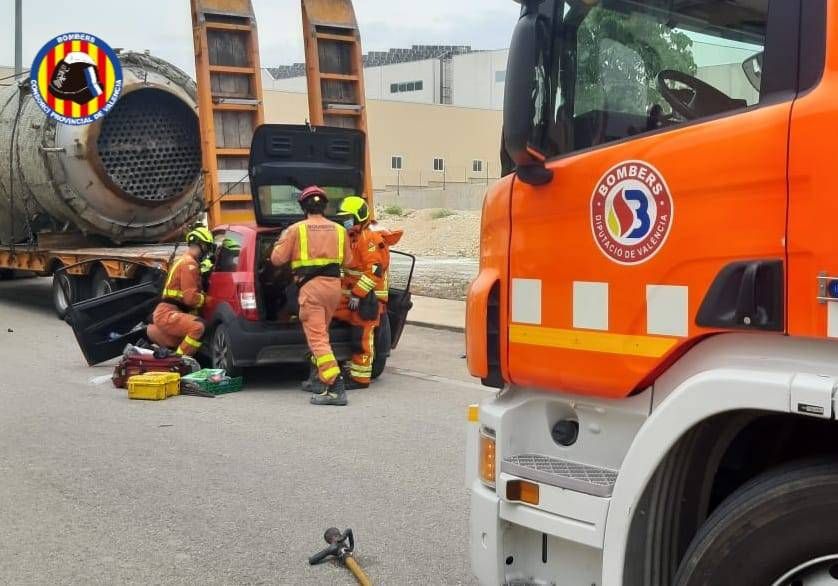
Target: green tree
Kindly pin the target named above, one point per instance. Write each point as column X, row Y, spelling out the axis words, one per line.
column 619, row 57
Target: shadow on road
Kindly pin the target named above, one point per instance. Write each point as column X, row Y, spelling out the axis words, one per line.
column 30, row 293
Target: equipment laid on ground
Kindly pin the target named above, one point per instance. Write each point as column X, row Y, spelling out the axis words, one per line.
column 213, row 381
column 135, row 364
column 658, row 299
column 341, row 546
column 154, row 386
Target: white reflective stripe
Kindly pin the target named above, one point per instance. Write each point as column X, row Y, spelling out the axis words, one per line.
column 526, row 301
column 667, row 310
column 590, row 305
column 832, row 319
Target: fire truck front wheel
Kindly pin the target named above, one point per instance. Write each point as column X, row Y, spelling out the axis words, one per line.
column 777, row 529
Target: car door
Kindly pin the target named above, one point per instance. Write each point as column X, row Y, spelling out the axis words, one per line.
column 656, row 189
column 399, row 301
column 103, row 326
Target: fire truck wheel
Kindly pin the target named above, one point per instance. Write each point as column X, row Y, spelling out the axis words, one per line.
column 777, row 529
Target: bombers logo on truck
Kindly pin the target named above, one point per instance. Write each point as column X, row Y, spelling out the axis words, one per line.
column 631, row 212
column 76, row 79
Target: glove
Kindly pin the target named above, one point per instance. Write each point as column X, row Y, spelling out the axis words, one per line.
column 354, row 303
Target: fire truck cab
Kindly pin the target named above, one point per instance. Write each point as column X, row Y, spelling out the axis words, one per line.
column 657, row 300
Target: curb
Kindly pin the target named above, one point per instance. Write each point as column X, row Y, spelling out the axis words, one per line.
column 436, row 326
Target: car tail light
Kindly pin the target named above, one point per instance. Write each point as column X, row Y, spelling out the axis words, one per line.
column 247, row 300
column 486, row 458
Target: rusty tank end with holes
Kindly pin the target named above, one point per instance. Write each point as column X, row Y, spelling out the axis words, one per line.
column 133, row 176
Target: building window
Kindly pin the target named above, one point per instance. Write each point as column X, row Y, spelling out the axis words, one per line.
column 477, row 166
column 500, row 76
column 396, row 162
column 408, row 86
column 439, row 164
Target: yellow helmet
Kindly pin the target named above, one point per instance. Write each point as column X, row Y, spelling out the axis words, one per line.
column 199, row 235
column 356, row 207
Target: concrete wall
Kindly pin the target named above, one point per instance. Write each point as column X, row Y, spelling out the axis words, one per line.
column 479, row 79
column 418, row 133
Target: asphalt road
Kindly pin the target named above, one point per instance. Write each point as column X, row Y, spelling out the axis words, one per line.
column 97, row 489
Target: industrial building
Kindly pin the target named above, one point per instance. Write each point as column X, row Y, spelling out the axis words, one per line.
column 435, row 111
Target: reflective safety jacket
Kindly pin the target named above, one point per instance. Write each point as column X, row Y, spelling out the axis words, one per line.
column 315, row 245
column 368, row 270
column 183, row 284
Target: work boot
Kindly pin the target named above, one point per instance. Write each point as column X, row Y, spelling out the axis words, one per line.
column 334, row 395
column 354, row 385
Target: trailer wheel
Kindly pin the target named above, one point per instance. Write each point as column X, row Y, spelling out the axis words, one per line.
column 100, row 283
column 61, row 286
column 778, row 529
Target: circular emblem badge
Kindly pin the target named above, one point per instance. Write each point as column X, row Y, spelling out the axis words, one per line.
column 631, row 212
column 76, row 78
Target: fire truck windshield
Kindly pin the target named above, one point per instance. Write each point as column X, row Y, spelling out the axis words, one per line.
column 611, row 69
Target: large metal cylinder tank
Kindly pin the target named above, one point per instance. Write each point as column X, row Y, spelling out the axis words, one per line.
column 133, row 176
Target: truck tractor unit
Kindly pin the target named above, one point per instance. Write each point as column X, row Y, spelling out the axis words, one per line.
column 657, row 301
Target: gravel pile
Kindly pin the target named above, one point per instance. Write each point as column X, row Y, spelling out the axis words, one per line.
column 446, row 244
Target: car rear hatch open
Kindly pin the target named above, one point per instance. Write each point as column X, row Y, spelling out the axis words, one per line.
column 286, row 158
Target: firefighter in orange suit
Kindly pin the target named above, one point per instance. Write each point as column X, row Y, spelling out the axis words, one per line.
column 317, row 249
column 176, row 322
column 364, row 286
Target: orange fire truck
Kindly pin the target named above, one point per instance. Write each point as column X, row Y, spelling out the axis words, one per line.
column 658, row 299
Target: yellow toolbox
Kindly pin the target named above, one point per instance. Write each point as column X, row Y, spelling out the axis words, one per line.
column 154, row 386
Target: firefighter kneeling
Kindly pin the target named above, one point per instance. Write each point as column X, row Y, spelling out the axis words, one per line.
column 364, row 284
column 176, row 322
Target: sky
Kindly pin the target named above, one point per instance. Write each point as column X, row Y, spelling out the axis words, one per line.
column 164, row 28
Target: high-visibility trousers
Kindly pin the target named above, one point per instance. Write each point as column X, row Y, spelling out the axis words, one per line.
column 363, row 342
column 174, row 328
column 319, row 299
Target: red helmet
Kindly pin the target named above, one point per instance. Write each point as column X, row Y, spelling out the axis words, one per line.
column 311, row 192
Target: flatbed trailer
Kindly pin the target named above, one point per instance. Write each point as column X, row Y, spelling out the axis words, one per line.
column 89, row 271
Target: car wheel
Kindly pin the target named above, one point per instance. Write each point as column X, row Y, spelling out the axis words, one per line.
column 383, row 341
column 776, row 530
column 221, row 352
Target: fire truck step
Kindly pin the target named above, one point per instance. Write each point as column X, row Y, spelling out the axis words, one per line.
column 561, row 473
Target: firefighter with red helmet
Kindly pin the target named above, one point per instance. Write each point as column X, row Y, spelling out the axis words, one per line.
column 317, row 249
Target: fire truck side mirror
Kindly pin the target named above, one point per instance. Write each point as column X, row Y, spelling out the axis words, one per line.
column 526, row 98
